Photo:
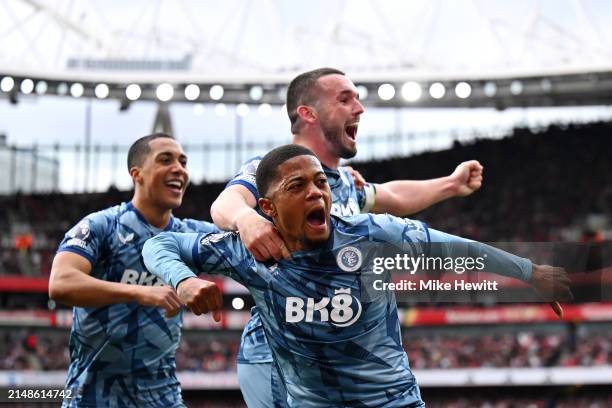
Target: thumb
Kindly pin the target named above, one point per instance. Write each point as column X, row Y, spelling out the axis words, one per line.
column 217, row 315
column 556, row 307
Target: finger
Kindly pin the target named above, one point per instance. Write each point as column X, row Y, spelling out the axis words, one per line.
column 194, row 309
column 280, row 244
column 273, row 247
column 202, row 303
column 359, row 179
column 172, row 311
column 217, row 315
column 218, row 298
column 213, row 306
column 175, row 302
column 257, row 254
column 556, row 307
column 265, row 253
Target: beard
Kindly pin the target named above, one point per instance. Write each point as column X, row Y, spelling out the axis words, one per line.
column 335, row 136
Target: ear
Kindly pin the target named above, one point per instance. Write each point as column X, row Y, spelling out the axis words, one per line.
column 307, row 113
column 267, row 207
column 135, row 174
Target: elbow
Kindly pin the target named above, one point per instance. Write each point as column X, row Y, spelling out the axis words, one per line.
column 215, row 212
column 57, row 291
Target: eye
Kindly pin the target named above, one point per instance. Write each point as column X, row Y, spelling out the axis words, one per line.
column 322, row 181
column 294, row 186
column 183, row 162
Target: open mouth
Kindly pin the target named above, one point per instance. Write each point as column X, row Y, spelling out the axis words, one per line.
column 316, row 217
column 351, row 131
column 175, row 185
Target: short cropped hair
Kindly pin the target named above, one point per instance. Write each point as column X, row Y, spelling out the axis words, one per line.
column 267, row 170
column 140, row 149
column 303, row 91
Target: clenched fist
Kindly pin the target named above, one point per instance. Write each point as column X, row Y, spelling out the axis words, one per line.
column 160, row 296
column 553, row 284
column 467, row 177
column 201, row 296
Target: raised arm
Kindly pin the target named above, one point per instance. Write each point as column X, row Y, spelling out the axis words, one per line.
column 404, row 197
column 234, row 209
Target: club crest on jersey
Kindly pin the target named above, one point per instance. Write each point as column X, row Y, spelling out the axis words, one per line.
column 349, row 259
column 345, row 309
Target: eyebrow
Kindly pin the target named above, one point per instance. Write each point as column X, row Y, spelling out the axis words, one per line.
column 181, row 156
column 349, row 92
column 293, row 178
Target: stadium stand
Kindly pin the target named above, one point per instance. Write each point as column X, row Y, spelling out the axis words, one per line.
column 538, row 187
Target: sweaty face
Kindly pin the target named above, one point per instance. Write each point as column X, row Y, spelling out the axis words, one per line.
column 164, row 174
column 339, row 112
column 301, row 200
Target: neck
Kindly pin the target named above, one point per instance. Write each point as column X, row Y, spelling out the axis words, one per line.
column 318, row 145
column 154, row 215
column 301, row 245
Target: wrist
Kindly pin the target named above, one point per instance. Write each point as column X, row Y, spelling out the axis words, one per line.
column 451, row 186
column 134, row 292
column 241, row 216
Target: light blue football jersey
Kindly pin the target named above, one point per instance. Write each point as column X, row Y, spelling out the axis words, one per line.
column 335, row 338
column 122, row 355
column 347, row 200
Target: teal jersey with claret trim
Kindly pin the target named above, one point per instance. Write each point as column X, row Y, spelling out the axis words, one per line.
column 347, row 200
column 122, row 355
column 335, row 338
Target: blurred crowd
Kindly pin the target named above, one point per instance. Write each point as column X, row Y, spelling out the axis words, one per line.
column 44, row 350
column 534, row 184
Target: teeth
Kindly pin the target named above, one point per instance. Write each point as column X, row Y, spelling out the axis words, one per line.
column 176, row 184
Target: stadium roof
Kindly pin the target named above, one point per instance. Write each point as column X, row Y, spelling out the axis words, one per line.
column 272, row 39
column 492, row 53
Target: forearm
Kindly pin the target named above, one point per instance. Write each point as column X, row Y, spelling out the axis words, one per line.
column 169, row 256
column 75, row 288
column 229, row 207
column 495, row 260
column 404, row 197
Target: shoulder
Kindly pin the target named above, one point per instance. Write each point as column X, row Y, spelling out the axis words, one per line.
column 191, row 225
column 250, row 166
column 104, row 219
column 246, row 174
column 383, row 227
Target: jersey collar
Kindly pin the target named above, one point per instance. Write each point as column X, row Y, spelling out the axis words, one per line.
column 333, row 175
column 141, row 217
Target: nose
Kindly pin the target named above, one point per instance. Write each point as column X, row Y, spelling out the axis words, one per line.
column 358, row 109
column 313, row 192
column 178, row 168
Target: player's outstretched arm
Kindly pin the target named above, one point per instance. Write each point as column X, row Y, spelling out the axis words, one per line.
column 71, row 283
column 404, row 197
column 169, row 256
column 234, row 210
column 551, row 283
